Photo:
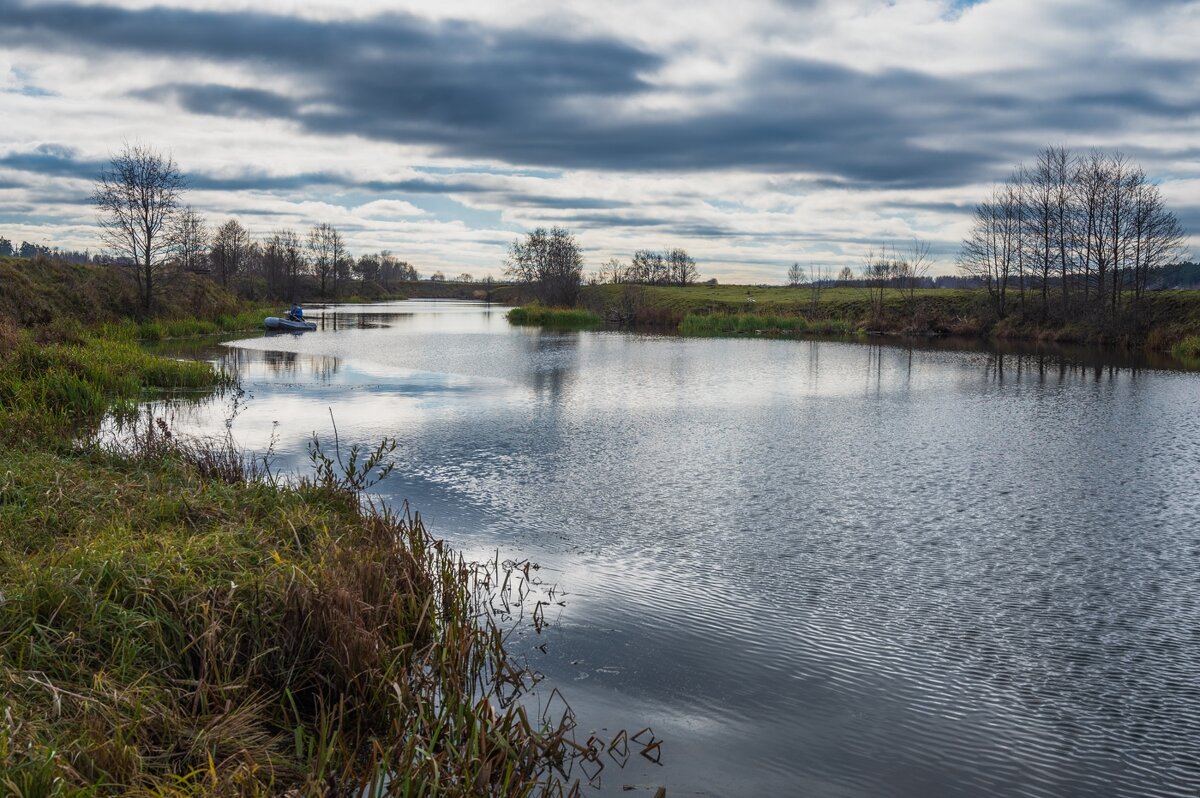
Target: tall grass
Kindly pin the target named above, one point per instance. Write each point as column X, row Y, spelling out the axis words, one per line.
column 163, row 631
column 554, row 318
column 161, row 329
column 1187, row 349
column 175, row 620
column 49, row 390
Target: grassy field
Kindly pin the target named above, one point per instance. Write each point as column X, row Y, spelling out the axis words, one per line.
column 175, row 620
column 854, row 307
column 1167, row 318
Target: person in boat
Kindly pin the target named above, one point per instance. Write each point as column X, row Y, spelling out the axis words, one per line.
column 296, row 313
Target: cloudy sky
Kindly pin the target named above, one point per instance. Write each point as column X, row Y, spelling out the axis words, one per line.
column 752, row 133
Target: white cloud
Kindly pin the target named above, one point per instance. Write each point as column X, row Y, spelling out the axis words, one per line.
column 740, row 223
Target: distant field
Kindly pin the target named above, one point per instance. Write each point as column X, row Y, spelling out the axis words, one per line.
column 695, row 297
column 1166, row 318
column 842, row 303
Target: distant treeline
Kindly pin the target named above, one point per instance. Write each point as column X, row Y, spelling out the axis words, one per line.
column 1071, row 236
column 1182, row 276
column 146, row 226
column 29, row 249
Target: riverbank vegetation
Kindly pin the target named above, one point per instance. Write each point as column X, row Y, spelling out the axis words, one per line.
column 1166, row 318
column 1187, row 349
column 554, row 318
column 1076, row 247
column 758, row 324
column 176, row 619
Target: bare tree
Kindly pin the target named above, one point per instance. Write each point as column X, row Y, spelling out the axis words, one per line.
column 293, row 261
column 1040, row 223
column 1092, row 185
column 1015, row 195
column 138, row 198
column 681, row 267
column 909, row 269
column 613, row 271
column 283, row 262
column 1096, row 226
column 876, row 274
column 392, row 269
column 189, row 241
column 1157, row 238
column 274, row 264
column 990, row 249
column 1060, row 166
column 795, row 275
column 817, row 278
column 464, row 278
column 550, row 262
column 367, row 268
column 648, row 267
column 328, row 253
column 230, row 248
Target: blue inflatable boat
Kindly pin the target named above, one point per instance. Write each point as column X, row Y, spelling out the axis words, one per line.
column 277, row 323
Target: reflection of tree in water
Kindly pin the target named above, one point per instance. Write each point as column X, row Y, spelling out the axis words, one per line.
column 1045, row 367
column 280, row 362
column 237, row 360
column 874, row 369
column 1003, row 362
column 331, row 322
column 554, row 356
column 1097, row 358
column 295, row 364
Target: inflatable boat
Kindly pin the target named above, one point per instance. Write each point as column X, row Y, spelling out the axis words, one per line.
column 278, row 323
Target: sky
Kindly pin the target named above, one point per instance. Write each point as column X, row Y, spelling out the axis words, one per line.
column 753, row 134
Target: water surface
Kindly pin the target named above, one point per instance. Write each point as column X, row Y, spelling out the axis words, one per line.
column 814, row 568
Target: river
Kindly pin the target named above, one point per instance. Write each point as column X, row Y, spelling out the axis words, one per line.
column 814, row 568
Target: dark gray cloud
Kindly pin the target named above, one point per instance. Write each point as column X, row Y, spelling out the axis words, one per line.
column 217, row 100
column 581, row 203
column 522, row 97
column 60, row 161
column 54, row 161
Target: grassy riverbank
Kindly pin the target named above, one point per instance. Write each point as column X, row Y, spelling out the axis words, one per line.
column 1166, row 320
column 175, row 620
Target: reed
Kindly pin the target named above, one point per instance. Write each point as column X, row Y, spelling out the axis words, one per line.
column 1187, row 349
column 554, row 318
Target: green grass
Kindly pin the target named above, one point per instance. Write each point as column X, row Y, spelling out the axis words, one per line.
column 768, row 300
column 554, row 318
column 1165, row 318
column 839, row 310
column 159, row 329
column 175, row 621
column 48, row 390
column 755, row 324
column 1187, row 349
